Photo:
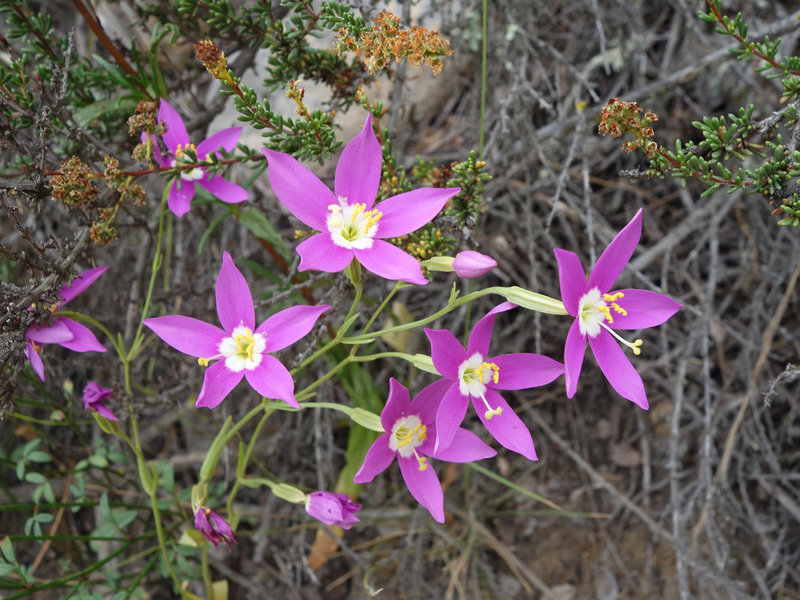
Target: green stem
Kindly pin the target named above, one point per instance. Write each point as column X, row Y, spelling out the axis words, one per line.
column 241, row 467
column 397, row 286
column 206, row 573
column 484, row 60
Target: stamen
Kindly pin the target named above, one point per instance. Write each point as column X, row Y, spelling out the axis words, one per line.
column 490, row 412
column 422, row 461
column 486, row 366
column 636, row 345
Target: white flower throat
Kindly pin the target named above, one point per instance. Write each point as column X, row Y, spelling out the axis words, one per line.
column 242, row 350
column 352, row 226
column 473, row 375
column 407, row 435
column 181, row 158
column 596, row 310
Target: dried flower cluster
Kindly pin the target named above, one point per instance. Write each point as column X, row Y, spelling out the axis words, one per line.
column 619, row 117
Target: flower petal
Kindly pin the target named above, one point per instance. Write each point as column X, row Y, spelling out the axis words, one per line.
column 409, row 211
column 614, row 258
column 469, row 264
column 299, row 190
column 571, row 279
column 447, row 353
column 523, row 370
column 176, row 131
column 83, row 340
column 466, row 447
column 218, row 382
column 449, row 417
column 426, row 404
column 481, row 335
column 506, row 427
column 180, row 197
column 185, row 334
column 225, row 190
column 574, row 349
column 645, row 309
column 358, row 172
column 35, row 359
column 55, row 333
column 80, row 283
column 289, row 325
column 391, row 263
column 272, row 380
column 617, row 368
column 234, row 300
column 319, row 253
column 397, row 405
column 378, row 458
column 224, row 138
column 102, row 410
column 424, row 486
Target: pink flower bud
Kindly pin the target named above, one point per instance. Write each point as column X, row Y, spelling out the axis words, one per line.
column 470, row 264
column 332, row 509
column 93, row 396
column 215, row 528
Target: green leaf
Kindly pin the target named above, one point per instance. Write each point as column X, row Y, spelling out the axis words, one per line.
column 7, row 549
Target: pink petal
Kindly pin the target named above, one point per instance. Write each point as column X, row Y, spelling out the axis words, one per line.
column 299, row 190
column 466, row 447
column 83, row 340
column 225, row 138
column 80, row 283
column 469, row 264
column 571, row 278
column 319, row 253
column 391, row 263
column 180, row 197
column 446, row 352
column 523, row 370
column 426, row 404
column 409, row 211
column 358, row 172
column 645, row 309
column 55, row 333
column 272, row 380
column 218, row 382
column 449, row 417
column 35, row 359
column 614, row 258
column 185, row 334
column 378, row 458
column 507, row 428
column 105, row 412
column 424, row 486
column 225, row 190
column 617, row 368
column 397, row 405
column 574, row 349
column 234, row 301
column 481, row 335
column 289, row 325
column 176, row 131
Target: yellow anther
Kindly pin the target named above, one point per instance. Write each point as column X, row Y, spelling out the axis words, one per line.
column 203, row 362
column 637, row 347
column 613, row 297
column 606, row 311
column 373, row 217
column 619, row 310
column 246, row 342
column 405, row 436
column 180, row 151
column 494, row 368
column 492, row 412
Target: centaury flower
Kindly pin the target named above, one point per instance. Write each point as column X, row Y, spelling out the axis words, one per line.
column 409, row 436
column 470, row 264
column 600, row 313
column 332, row 509
column 215, row 528
column 93, row 397
column 471, row 375
column 176, row 139
column 63, row 330
column 351, row 225
column 239, row 349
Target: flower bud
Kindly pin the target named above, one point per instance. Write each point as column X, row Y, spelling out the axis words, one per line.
column 332, row 509
column 470, row 264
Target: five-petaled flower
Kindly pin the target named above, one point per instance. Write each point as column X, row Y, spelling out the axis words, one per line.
column 470, row 374
column 183, row 152
column 240, row 349
column 332, row 509
column 409, row 435
column 601, row 312
column 63, row 330
column 215, row 528
column 93, row 397
column 351, row 225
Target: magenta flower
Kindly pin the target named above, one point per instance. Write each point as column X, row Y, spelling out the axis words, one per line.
column 600, row 313
column 332, row 509
column 409, row 436
column 176, row 139
column 470, row 374
column 350, row 224
column 63, row 330
column 93, row 396
column 240, row 349
column 470, row 264
column 215, row 528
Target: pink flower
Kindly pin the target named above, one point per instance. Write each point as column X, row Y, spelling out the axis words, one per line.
column 93, row 396
column 63, row 330
column 600, row 313
column 351, row 226
column 240, row 349
column 470, row 264
column 215, row 528
column 332, row 509
column 471, row 375
column 409, row 434
column 176, row 139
